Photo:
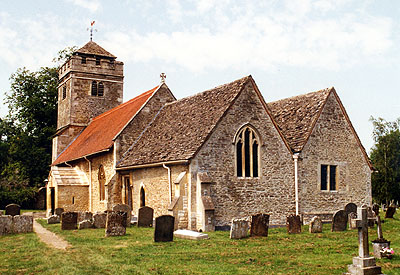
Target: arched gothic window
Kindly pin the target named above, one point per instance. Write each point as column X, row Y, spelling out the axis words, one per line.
column 247, row 153
column 94, row 88
column 102, row 182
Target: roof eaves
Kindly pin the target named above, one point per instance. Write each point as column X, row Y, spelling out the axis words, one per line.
column 82, row 157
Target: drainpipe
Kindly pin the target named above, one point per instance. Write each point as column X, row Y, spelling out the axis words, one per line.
column 296, row 182
column 90, row 183
column 169, row 181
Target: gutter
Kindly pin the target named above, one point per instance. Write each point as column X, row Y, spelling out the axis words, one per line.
column 173, row 162
column 296, row 182
column 90, row 183
column 169, row 181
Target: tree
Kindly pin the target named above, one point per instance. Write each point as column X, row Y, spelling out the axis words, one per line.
column 385, row 157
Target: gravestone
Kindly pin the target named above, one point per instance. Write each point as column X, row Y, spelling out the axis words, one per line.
column 5, row 225
column 145, row 217
column 125, row 208
column 53, row 219
column 85, row 224
column 350, row 208
column 293, row 224
column 375, row 208
column 390, row 211
column 58, row 211
column 259, row 225
column 13, row 209
column 339, row 221
column 84, row 216
column 239, row 229
column 116, row 223
column 352, row 221
column 380, row 242
column 69, row 220
column 99, row 220
column 190, row 235
column 363, row 263
column 315, row 225
column 371, row 217
column 164, row 229
column 22, row 224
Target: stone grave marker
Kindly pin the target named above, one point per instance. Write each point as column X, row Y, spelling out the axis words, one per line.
column 315, row 225
column 380, row 242
column 145, row 217
column 363, row 263
column 85, row 224
column 22, row 224
column 69, row 220
column 13, row 209
column 350, row 208
column 99, row 220
column 390, row 211
column 58, row 211
column 371, row 217
column 164, row 229
column 116, row 223
column 125, row 208
column 293, row 224
column 239, row 229
column 85, row 216
column 352, row 221
column 339, row 221
column 375, row 208
column 5, row 225
column 53, row 219
column 259, row 225
column 190, row 235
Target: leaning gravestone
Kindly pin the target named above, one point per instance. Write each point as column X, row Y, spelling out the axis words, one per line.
column 350, row 208
column 164, row 229
column 293, row 224
column 259, row 225
column 315, row 225
column 22, row 224
column 53, row 219
column 390, row 211
column 375, row 208
column 84, row 216
column 85, row 224
column 58, row 211
column 339, row 221
column 145, row 216
column 239, row 229
column 69, row 220
column 125, row 208
column 99, row 220
column 116, row 223
column 13, row 209
column 5, row 225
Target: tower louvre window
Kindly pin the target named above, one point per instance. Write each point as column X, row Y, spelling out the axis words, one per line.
column 97, row 60
column 94, row 88
column 64, row 92
column 83, row 60
column 100, row 90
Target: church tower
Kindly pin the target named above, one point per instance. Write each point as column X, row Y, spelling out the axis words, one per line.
column 90, row 83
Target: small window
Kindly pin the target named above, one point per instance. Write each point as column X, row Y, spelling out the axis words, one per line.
column 73, row 200
column 83, row 60
column 97, row 60
column 102, row 181
column 94, row 88
column 247, row 153
column 100, row 90
column 328, row 177
column 64, row 92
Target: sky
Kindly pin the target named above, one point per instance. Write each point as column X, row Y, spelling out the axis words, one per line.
column 290, row 47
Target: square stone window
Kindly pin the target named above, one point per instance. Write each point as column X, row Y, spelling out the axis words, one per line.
column 328, row 177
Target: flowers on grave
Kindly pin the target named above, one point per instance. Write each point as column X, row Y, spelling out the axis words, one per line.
column 387, row 252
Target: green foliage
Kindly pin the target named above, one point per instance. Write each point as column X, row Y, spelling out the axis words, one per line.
column 385, row 157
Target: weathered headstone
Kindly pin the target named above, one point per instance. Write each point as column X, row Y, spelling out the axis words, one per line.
column 390, row 211
column 239, row 229
column 5, row 225
column 22, row 224
column 164, row 229
column 53, row 219
column 375, row 208
column 85, row 224
column 99, row 220
column 13, row 209
column 84, row 216
column 190, row 235
column 293, row 224
column 350, row 208
column 58, row 211
column 259, row 225
column 380, row 242
column 315, row 225
column 116, row 223
column 125, row 208
column 145, row 216
column 352, row 221
column 371, row 217
column 339, row 221
column 69, row 220
column 363, row 264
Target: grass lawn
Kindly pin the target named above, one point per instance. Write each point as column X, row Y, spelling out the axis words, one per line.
column 136, row 253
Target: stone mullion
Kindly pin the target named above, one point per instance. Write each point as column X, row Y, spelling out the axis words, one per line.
column 243, row 155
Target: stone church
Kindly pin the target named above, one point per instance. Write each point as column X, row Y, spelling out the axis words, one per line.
column 205, row 159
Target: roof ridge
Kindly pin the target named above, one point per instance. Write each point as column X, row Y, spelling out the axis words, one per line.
column 301, row 95
column 122, row 105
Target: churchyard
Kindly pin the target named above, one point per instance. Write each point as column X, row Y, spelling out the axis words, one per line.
column 137, row 253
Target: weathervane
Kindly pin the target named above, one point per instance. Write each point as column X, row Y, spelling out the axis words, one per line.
column 163, row 76
column 91, row 30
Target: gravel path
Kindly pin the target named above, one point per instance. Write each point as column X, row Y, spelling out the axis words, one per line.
column 48, row 237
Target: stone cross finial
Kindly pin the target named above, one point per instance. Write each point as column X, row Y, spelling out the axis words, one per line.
column 91, row 30
column 362, row 225
column 163, row 76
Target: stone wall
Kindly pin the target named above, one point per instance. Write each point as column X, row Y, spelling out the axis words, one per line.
column 332, row 142
column 72, row 197
column 271, row 193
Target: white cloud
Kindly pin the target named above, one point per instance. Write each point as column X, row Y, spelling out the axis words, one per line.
column 91, row 5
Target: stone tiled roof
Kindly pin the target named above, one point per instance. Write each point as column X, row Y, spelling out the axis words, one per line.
column 296, row 116
column 181, row 127
column 99, row 134
column 92, row 48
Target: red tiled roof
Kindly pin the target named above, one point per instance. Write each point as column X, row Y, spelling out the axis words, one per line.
column 99, row 134
column 93, row 48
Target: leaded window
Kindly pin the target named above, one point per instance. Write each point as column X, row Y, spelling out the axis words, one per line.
column 247, row 153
